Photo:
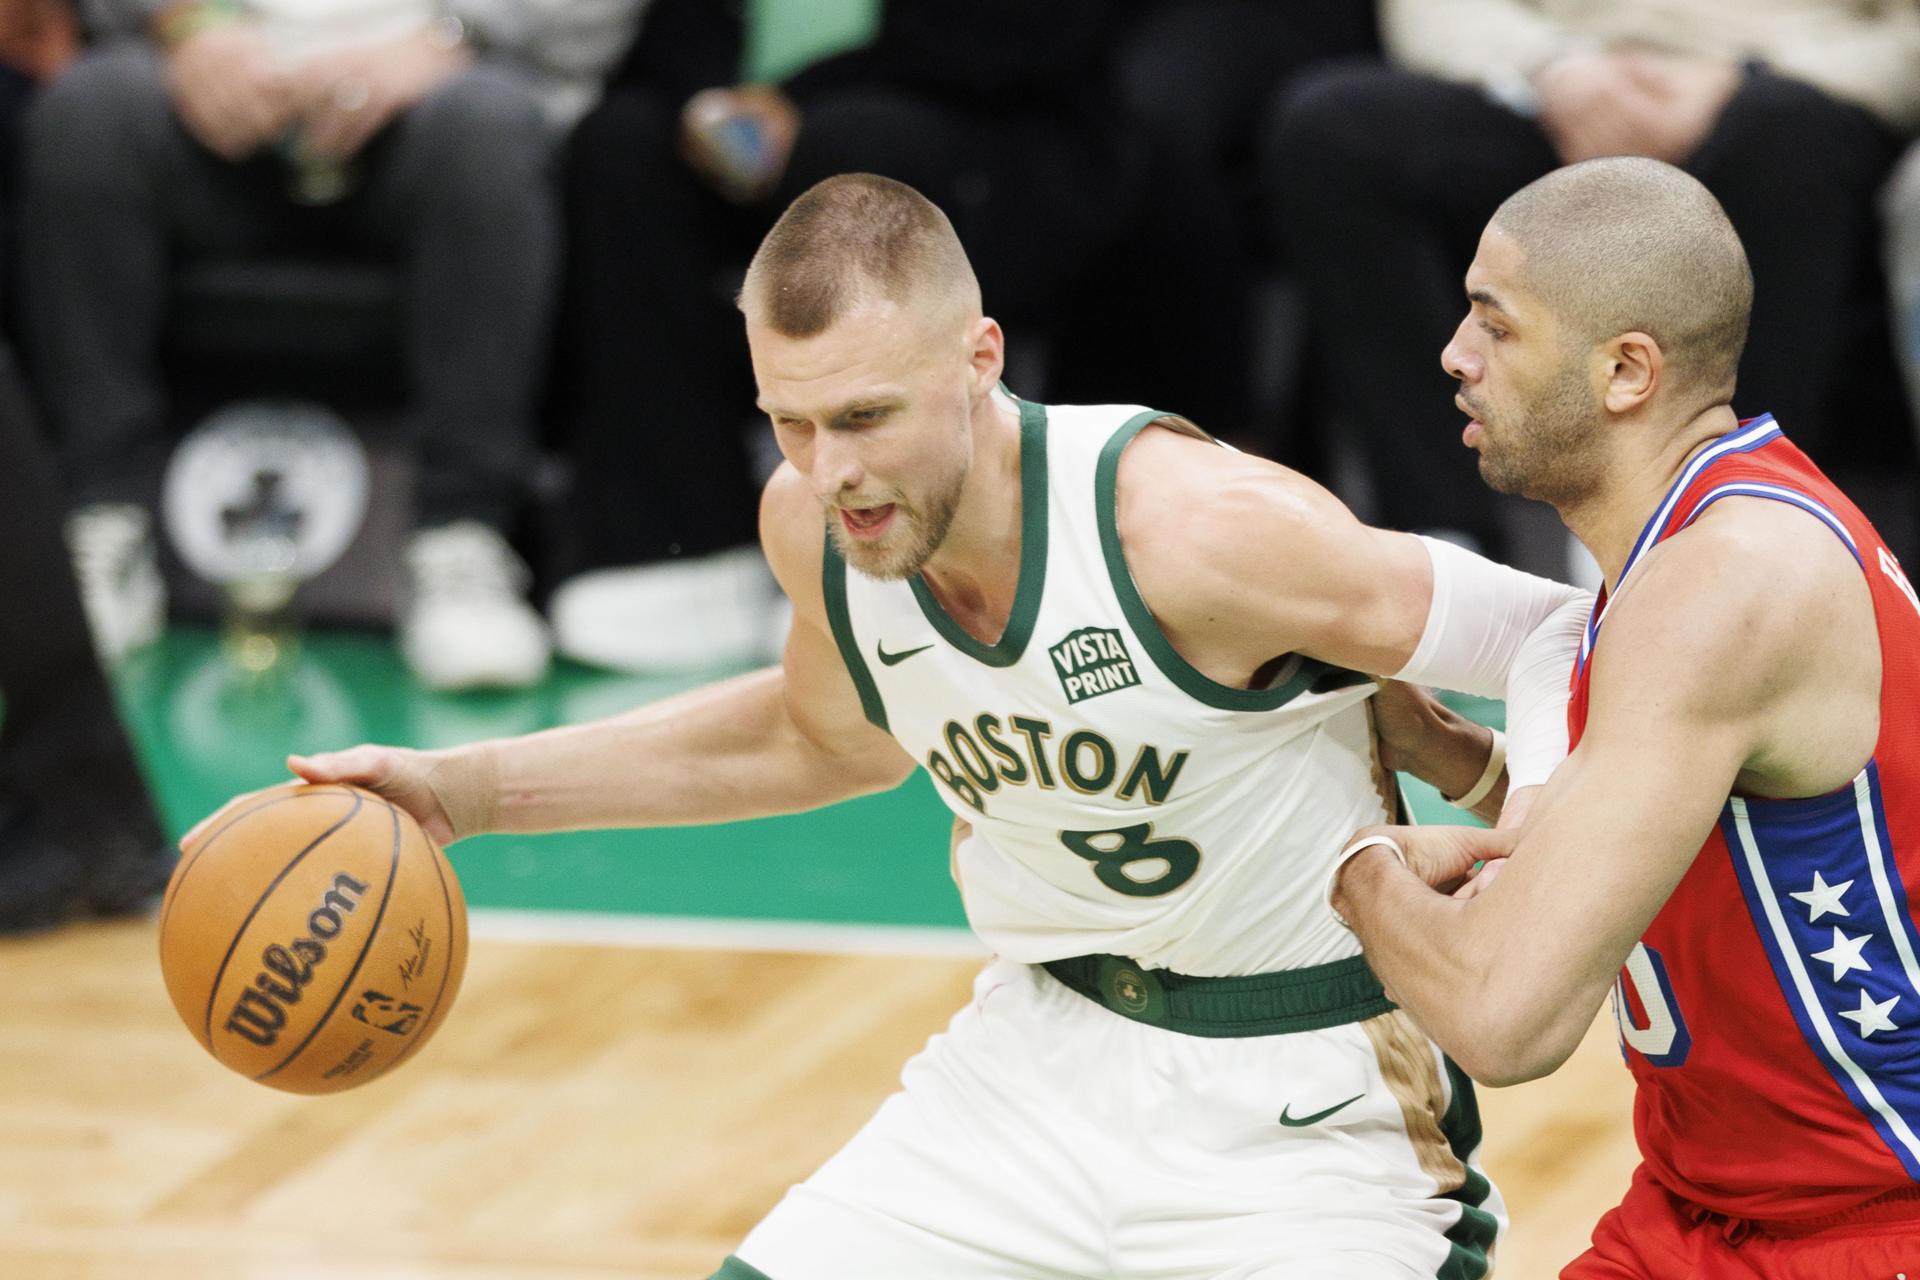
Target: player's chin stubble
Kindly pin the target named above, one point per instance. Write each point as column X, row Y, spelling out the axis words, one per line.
column 1548, row 449
column 902, row 553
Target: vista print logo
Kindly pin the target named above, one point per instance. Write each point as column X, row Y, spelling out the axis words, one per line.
column 1093, row 661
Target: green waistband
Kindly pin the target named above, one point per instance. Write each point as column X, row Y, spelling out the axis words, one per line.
column 1263, row 1004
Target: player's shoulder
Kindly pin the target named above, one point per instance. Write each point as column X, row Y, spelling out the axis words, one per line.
column 1179, row 497
column 1751, row 556
column 1734, row 596
column 793, row 534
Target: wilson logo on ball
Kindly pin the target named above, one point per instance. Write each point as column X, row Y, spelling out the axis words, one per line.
column 261, row 1011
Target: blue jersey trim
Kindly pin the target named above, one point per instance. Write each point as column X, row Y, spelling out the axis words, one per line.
column 1777, row 493
column 1748, row 436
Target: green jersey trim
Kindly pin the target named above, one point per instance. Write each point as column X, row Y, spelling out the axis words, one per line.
column 1191, row 681
column 833, row 584
column 1033, row 556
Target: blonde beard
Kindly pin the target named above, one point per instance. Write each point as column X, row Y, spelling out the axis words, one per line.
column 913, row 539
column 913, row 544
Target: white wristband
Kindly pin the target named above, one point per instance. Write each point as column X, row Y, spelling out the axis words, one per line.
column 1496, row 761
column 1347, row 855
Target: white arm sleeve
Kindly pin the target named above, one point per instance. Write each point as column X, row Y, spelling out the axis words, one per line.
column 1500, row 633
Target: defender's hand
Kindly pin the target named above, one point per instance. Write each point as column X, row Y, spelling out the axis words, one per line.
column 1444, row 856
column 1412, row 725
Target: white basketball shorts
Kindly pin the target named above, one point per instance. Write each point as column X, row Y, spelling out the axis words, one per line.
column 1046, row 1137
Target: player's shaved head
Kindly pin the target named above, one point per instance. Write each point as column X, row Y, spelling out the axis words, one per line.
column 1628, row 244
column 848, row 239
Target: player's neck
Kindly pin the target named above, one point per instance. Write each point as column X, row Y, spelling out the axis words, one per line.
column 1635, row 483
column 976, row 572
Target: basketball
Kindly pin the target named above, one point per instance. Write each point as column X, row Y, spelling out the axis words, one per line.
column 314, row 938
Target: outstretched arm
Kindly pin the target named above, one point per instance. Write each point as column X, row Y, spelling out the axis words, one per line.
column 782, row 740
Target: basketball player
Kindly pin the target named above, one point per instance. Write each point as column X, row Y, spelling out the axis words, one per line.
column 1126, row 656
column 1731, row 847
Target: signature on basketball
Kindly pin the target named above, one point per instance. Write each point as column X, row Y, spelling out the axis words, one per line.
column 416, row 964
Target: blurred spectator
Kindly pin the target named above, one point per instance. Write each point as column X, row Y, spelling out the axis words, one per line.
column 37, row 39
column 419, row 131
column 1901, row 210
column 1199, row 74
column 1001, row 111
column 78, row 832
column 1384, row 176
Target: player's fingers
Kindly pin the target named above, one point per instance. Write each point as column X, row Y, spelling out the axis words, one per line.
column 370, row 767
column 359, row 126
column 1478, row 882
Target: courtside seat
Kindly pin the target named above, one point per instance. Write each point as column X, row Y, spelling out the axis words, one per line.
column 326, row 309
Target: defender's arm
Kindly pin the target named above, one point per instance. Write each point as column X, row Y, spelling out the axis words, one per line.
column 1688, row 690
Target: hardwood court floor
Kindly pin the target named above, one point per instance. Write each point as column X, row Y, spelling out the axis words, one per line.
column 586, row 1112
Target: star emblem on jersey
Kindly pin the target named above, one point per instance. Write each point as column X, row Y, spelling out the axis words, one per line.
column 1844, row 954
column 1093, row 661
column 1871, row 1016
column 1824, row 899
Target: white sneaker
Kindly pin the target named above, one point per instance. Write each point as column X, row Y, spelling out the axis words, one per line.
column 466, row 623
column 697, row 613
column 119, row 577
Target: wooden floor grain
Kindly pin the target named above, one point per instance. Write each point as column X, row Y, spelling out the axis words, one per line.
column 585, row 1112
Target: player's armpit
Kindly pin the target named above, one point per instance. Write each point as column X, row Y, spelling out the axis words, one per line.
column 854, row 755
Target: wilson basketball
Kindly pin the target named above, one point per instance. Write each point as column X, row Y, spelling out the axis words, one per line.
column 314, row 938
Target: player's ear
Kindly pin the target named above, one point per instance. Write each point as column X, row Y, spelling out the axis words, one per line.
column 986, row 354
column 1632, row 366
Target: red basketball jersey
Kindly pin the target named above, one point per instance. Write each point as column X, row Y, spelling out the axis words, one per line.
column 1771, row 1012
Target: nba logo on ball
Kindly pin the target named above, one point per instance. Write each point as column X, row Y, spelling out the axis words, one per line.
column 314, row 938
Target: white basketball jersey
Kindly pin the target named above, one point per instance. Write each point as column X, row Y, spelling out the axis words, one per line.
column 1121, row 802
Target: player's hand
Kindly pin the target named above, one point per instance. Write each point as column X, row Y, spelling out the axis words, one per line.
column 739, row 139
column 1444, row 856
column 1421, row 735
column 346, row 97
column 1407, row 718
column 1694, row 92
column 1479, row 878
column 230, row 93
column 1593, row 104
column 401, row 774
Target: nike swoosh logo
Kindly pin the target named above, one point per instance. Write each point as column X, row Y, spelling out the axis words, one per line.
column 895, row 659
column 1300, row 1122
